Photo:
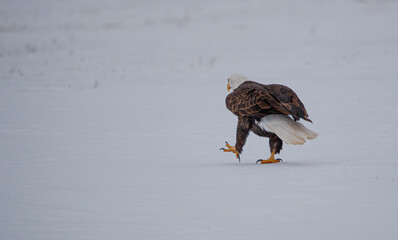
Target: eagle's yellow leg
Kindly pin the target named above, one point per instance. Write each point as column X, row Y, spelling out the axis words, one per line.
column 231, row 149
column 270, row 159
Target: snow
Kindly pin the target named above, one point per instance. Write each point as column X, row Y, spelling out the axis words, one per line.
column 112, row 114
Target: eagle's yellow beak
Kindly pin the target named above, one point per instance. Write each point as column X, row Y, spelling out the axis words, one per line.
column 228, row 87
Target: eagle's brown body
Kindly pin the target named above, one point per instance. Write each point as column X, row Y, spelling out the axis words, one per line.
column 252, row 101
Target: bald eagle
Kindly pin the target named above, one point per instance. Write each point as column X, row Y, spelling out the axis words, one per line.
column 270, row 111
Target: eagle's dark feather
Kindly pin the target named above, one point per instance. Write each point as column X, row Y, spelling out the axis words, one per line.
column 257, row 100
column 252, row 101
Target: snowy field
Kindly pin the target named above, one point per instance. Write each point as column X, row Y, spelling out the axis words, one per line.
column 112, row 114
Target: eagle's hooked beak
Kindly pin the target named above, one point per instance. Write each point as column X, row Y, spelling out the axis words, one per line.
column 228, row 87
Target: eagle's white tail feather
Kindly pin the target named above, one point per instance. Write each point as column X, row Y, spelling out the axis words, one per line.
column 287, row 129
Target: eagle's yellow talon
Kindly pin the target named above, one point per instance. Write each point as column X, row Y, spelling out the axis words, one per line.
column 231, row 149
column 270, row 159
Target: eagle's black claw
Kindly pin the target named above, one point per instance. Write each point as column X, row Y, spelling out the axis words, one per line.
column 224, row 148
column 259, row 161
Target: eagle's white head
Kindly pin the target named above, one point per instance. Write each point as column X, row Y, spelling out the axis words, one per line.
column 235, row 80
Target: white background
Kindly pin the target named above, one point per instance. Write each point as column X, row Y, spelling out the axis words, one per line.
column 112, row 114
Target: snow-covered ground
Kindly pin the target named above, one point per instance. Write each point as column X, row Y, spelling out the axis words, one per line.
column 112, row 114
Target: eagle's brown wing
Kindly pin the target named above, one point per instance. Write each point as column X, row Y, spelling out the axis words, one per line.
column 257, row 100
